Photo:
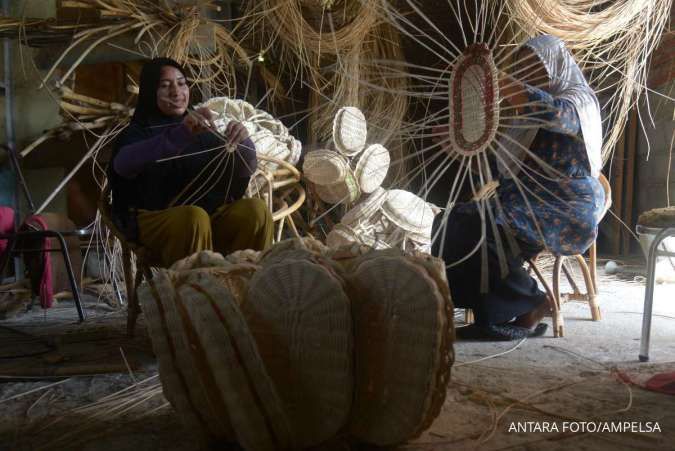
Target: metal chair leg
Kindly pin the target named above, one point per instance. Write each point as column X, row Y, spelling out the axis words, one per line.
column 71, row 276
column 649, row 299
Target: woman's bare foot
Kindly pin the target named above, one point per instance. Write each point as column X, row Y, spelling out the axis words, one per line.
column 532, row 318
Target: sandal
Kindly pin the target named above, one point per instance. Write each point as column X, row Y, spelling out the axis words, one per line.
column 499, row 332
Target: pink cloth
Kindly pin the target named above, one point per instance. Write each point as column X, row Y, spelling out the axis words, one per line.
column 6, row 225
column 46, row 287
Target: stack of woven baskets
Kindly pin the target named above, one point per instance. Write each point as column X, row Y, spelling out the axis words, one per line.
column 290, row 348
column 338, row 175
column 380, row 219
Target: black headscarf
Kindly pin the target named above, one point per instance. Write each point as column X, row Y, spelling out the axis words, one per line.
column 147, row 111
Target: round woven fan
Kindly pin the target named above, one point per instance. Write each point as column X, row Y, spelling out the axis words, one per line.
column 372, row 167
column 349, row 131
column 408, row 211
column 253, row 406
column 400, row 318
column 301, row 320
column 344, row 192
column 325, row 167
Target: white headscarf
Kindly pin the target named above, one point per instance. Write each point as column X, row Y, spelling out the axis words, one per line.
column 566, row 82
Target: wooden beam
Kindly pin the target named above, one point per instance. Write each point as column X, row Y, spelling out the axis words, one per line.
column 617, row 193
column 631, row 148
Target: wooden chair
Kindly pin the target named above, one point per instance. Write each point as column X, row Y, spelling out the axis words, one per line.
column 588, row 271
column 144, row 260
column 281, row 190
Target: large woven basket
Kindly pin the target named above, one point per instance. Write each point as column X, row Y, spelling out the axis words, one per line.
column 289, row 348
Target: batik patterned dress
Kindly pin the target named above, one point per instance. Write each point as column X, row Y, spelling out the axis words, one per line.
column 558, row 211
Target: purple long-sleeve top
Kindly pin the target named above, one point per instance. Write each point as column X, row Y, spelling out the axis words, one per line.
column 132, row 158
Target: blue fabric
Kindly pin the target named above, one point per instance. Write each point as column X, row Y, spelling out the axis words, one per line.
column 567, row 209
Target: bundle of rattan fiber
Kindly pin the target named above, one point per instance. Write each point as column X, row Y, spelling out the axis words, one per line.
column 289, row 351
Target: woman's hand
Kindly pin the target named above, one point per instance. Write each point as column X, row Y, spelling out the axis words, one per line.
column 199, row 121
column 235, row 133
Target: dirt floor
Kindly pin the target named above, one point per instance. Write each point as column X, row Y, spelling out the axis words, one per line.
column 556, row 392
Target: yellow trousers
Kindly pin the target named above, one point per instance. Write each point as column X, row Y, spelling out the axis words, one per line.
column 177, row 232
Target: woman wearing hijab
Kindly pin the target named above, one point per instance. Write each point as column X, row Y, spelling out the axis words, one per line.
column 151, row 190
column 558, row 208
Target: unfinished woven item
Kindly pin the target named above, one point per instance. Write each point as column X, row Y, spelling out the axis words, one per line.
column 349, row 131
column 474, row 108
column 372, row 167
column 402, row 356
column 658, row 217
column 325, row 167
column 269, row 135
column 300, row 317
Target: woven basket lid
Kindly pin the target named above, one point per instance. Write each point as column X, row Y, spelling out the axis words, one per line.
column 399, row 320
column 202, row 259
column 190, row 362
column 372, row 167
column 325, row 167
column 300, row 317
column 349, row 131
column 408, row 211
column 346, row 191
column 174, row 384
column 365, row 209
column 253, row 405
